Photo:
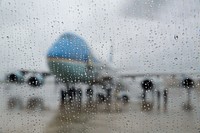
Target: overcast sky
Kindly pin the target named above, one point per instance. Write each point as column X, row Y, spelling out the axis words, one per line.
column 147, row 36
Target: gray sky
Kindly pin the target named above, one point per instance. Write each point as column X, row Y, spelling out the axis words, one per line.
column 141, row 32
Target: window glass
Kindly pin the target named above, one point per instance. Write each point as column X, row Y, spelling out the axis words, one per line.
column 99, row 66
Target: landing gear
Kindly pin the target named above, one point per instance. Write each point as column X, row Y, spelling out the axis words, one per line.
column 147, row 85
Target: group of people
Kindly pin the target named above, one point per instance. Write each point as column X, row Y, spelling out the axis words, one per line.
column 73, row 95
column 158, row 98
column 165, row 98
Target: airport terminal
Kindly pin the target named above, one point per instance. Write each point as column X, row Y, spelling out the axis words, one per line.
column 99, row 66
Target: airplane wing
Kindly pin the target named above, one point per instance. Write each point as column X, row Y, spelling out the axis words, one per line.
column 35, row 79
column 35, row 72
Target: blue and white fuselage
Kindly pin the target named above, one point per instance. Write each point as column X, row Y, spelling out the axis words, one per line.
column 71, row 60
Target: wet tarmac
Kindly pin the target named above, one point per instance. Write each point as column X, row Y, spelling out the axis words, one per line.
column 114, row 118
column 25, row 121
column 131, row 118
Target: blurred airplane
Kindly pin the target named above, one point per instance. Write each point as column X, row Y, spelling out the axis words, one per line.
column 71, row 61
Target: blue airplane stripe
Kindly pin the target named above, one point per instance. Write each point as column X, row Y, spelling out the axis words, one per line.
column 65, row 60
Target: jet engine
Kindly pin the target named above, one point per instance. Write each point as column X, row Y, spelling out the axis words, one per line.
column 36, row 80
column 188, row 83
column 147, row 85
column 16, row 77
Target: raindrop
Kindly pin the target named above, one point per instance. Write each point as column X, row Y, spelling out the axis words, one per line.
column 175, row 37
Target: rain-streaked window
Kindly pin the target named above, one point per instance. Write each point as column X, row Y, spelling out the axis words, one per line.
column 99, row 66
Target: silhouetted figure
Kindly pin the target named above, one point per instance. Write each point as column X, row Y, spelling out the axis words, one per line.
column 125, row 99
column 165, row 99
column 101, row 98
column 89, row 94
column 189, row 85
column 79, row 97
column 108, row 96
column 158, row 99
column 63, row 97
column 71, row 94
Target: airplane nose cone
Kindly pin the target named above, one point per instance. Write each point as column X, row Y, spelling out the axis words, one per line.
column 69, row 46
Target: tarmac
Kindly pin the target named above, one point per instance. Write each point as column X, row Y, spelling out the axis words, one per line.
column 133, row 118
column 114, row 118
